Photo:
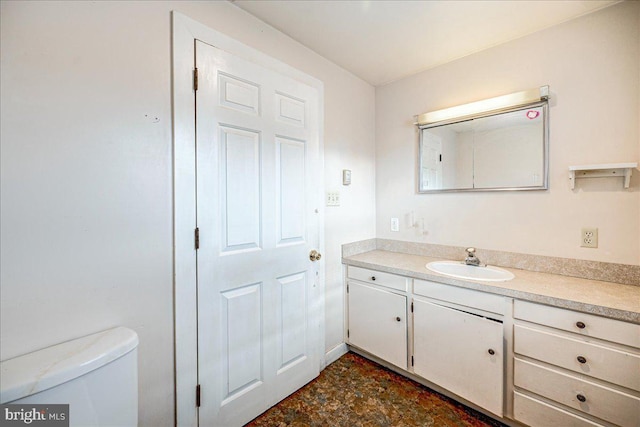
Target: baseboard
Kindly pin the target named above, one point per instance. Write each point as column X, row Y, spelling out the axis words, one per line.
column 335, row 353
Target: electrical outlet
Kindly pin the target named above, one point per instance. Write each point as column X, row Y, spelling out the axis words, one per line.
column 395, row 224
column 333, row 198
column 589, row 238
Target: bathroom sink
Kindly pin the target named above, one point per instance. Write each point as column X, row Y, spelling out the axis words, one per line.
column 462, row 271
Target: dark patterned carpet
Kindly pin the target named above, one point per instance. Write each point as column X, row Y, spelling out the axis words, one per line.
column 354, row 392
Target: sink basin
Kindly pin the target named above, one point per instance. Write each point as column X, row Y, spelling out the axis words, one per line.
column 462, row 271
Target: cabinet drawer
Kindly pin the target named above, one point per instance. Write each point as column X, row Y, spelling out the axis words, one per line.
column 601, row 402
column 535, row 413
column 580, row 323
column 379, row 278
column 616, row 366
column 480, row 300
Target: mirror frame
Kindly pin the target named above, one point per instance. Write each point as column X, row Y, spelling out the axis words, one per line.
column 545, row 151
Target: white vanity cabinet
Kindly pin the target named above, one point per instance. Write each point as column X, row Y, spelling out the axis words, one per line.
column 377, row 314
column 574, row 369
column 458, row 344
column 527, row 363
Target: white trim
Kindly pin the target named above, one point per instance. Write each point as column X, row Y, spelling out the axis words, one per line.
column 184, row 31
column 335, row 353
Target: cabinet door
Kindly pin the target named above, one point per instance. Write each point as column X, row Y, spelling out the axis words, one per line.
column 378, row 323
column 453, row 350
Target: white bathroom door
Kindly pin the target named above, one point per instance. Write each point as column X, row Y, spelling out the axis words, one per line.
column 257, row 151
column 431, row 173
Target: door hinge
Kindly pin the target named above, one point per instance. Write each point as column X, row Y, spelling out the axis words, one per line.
column 198, row 396
column 412, row 306
column 195, row 79
column 347, row 288
column 440, row 157
column 197, row 238
column 411, row 360
column 347, row 333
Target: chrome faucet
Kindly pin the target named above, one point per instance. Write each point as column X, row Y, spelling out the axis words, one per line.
column 471, row 258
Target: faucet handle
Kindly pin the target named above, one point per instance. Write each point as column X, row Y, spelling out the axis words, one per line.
column 471, row 251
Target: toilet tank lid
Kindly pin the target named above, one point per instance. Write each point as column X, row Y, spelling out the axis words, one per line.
column 43, row 369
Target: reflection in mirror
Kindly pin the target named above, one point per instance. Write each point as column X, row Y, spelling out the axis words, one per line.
column 447, row 157
column 505, row 150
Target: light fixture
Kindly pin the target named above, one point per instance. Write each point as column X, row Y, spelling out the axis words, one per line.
column 473, row 109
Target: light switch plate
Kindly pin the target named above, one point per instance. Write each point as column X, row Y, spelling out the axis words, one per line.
column 333, row 198
column 346, row 177
column 395, row 224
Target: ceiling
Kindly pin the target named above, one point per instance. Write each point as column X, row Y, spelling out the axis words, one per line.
column 382, row 41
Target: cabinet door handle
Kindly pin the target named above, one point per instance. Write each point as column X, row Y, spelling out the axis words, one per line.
column 491, row 351
column 398, row 319
column 373, row 278
column 581, row 398
column 582, row 359
column 580, row 325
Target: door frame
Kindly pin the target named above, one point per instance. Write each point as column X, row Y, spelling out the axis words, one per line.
column 184, row 33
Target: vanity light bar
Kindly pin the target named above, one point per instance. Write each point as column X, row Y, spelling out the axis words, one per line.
column 485, row 106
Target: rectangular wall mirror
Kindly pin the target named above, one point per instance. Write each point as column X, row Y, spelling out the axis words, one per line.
column 490, row 151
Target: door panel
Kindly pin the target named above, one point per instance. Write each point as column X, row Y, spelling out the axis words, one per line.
column 239, row 94
column 242, row 318
column 292, row 321
column 290, row 110
column 241, row 203
column 257, row 149
column 290, row 190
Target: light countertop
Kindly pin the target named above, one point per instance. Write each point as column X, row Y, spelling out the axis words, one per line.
column 613, row 300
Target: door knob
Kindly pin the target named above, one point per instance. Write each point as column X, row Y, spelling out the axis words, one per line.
column 315, row 255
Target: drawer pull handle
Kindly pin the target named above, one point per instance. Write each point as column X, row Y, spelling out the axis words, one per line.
column 398, row 319
column 491, row 351
column 582, row 359
column 581, row 398
column 580, row 325
column 373, row 278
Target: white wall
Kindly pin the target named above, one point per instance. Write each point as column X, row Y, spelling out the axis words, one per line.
column 86, row 173
column 592, row 66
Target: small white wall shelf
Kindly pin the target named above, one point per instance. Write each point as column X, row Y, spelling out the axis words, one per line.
column 601, row 171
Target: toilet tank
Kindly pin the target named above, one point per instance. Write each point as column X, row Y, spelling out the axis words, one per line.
column 97, row 376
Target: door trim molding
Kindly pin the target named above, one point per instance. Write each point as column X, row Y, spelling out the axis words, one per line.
column 184, row 32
